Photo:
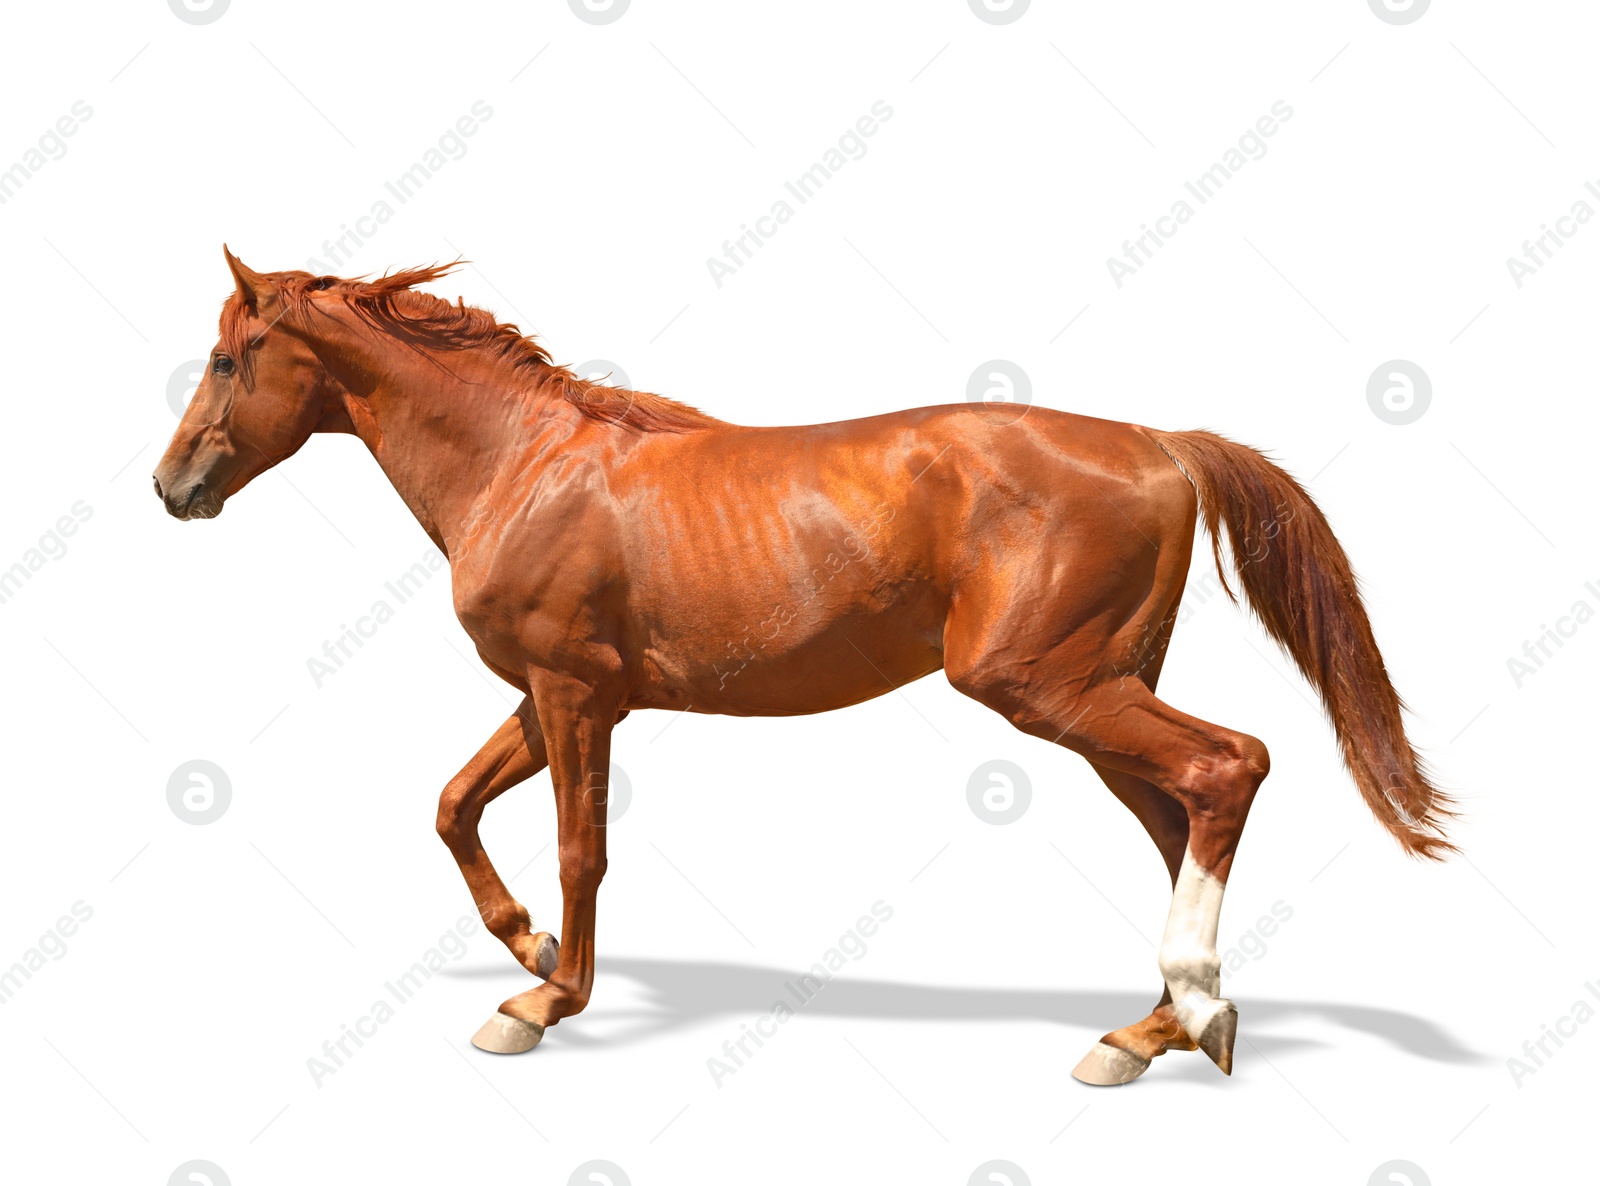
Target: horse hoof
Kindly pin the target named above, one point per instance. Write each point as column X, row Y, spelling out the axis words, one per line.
column 545, row 954
column 503, row 1034
column 1109, row 1066
column 1213, row 1026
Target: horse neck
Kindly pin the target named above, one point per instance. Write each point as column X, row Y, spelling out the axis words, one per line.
column 441, row 433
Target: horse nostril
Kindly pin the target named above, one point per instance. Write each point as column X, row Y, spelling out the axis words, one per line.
column 157, row 482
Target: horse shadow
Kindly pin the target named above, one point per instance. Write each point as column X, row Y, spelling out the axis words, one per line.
column 682, row 993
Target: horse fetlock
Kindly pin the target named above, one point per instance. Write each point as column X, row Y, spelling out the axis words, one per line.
column 547, row 1004
column 1191, row 971
column 506, row 921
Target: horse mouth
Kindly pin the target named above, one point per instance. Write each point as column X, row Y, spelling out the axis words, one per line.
column 197, row 503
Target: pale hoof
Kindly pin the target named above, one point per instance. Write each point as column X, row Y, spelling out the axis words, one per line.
column 1109, row 1066
column 503, row 1034
column 545, row 955
column 1213, row 1024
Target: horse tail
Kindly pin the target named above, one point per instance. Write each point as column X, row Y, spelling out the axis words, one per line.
column 1299, row 583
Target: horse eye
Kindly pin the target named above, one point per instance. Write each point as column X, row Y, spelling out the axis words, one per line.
column 222, row 365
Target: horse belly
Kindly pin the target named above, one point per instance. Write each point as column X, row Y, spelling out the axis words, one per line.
column 785, row 662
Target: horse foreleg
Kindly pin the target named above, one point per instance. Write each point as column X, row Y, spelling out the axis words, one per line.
column 516, row 752
column 577, row 726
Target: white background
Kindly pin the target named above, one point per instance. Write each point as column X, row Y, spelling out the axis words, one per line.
column 1378, row 1021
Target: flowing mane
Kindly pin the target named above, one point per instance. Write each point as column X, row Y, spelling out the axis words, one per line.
column 427, row 323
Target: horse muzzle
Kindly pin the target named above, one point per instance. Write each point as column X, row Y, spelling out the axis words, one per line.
column 188, row 500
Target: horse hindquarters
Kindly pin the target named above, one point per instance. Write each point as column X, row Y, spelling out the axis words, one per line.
column 1076, row 664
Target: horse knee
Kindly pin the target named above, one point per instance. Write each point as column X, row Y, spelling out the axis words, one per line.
column 581, row 871
column 454, row 820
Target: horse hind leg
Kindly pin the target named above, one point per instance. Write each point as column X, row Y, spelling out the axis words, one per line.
column 1213, row 773
column 1210, row 771
column 1121, row 1056
column 1125, row 1054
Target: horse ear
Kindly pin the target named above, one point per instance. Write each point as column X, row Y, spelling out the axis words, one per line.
column 251, row 285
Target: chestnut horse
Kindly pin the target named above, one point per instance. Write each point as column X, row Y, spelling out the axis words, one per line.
column 612, row 550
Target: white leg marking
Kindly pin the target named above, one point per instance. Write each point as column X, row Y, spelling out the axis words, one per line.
column 1188, row 959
